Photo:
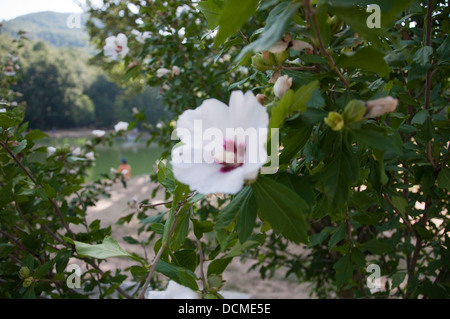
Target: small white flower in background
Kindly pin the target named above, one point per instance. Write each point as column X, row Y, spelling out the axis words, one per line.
column 51, row 150
column 134, row 110
column 90, row 156
column 282, row 85
column 162, row 72
column 113, row 171
column 9, row 71
column 378, row 107
column 175, row 70
column 121, row 126
column 76, row 152
column 3, row 110
column 141, row 36
column 160, row 125
column 173, row 291
column 98, row 133
column 222, row 146
column 116, row 46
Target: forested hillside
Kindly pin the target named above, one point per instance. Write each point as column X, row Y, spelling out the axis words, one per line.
column 61, row 84
column 51, row 27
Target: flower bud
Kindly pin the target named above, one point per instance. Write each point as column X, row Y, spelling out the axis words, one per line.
column 378, row 107
column 354, row 112
column 175, row 70
column 261, row 98
column 24, row 272
column 281, row 57
column 215, row 282
column 282, row 85
column 260, row 63
column 27, row 282
column 335, row 121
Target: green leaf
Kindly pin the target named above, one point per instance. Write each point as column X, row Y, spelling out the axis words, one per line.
column 35, row 135
column 247, row 218
column 376, row 138
column 277, row 23
column 344, row 270
column 356, row 18
column 186, row 258
column 187, row 279
column 50, row 191
column 420, row 117
column 233, row 15
column 165, row 177
column 19, row 148
column 109, row 248
column 378, row 246
column 367, row 59
column 443, row 50
column 7, row 121
column 282, row 208
column 201, row 227
column 218, row 266
column 443, row 179
column 211, row 9
column 290, row 103
column 338, row 235
column 130, row 240
column 5, row 194
column 400, row 203
column 397, row 279
column 422, row 56
column 228, row 214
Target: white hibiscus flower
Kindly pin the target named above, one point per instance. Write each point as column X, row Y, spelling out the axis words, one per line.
column 90, row 156
column 98, row 133
column 121, row 126
column 222, row 146
column 116, row 46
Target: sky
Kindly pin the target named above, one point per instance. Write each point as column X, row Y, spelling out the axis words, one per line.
column 10, row 9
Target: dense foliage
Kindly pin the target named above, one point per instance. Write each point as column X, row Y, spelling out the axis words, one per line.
column 362, row 183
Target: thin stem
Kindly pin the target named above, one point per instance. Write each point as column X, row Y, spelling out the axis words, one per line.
column 243, row 36
column 155, row 205
column 310, row 12
column 157, row 258
column 202, row 259
column 163, row 246
column 404, row 218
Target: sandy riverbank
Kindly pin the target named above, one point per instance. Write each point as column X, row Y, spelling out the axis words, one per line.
column 237, row 277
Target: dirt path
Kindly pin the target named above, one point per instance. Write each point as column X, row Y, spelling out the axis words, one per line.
column 237, row 277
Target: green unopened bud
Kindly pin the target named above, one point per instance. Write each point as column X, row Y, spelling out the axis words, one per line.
column 215, row 282
column 354, row 111
column 281, row 57
column 24, row 272
column 335, row 121
column 27, row 282
column 262, row 64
